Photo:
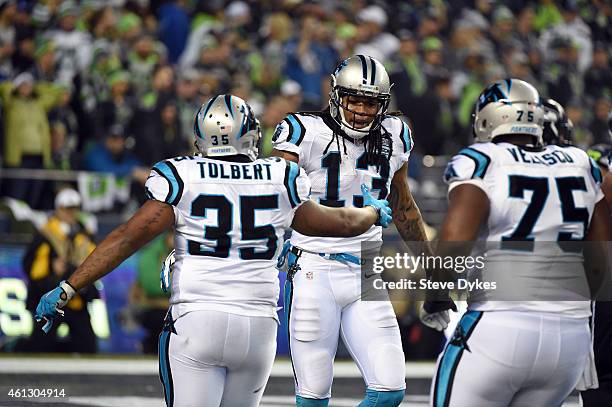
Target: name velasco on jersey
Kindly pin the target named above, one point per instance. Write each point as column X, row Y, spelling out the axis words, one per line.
column 537, row 197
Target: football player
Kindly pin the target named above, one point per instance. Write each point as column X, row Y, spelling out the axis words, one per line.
column 558, row 128
column 230, row 212
column 509, row 187
column 354, row 141
column 602, row 310
column 602, row 155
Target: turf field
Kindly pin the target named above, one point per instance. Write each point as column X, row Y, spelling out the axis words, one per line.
column 133, row 382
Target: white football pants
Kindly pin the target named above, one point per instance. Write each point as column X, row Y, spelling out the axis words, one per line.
column 501, row 359
column 214, row 359
column 323, row 303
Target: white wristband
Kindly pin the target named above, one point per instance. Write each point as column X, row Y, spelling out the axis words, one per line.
column 70, row 292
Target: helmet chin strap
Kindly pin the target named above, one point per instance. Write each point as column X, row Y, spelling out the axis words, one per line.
column 351, row 131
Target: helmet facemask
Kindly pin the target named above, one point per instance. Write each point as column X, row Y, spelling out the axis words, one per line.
column 354, row 127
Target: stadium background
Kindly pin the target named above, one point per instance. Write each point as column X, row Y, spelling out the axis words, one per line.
column 120, row 81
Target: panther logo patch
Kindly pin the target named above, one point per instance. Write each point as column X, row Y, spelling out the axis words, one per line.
column 277, row 132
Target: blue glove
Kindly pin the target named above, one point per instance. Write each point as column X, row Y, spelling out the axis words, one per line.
column 381, row 206
column 282, row 257
column 51, row 304
column 166, row 270
column 289, row 259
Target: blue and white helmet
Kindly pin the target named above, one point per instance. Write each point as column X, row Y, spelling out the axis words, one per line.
column 359, row 75
column 509, row 106
column 226, row 125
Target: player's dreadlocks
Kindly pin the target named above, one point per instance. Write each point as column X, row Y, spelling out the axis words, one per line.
column 378, row 145
column 336, row 137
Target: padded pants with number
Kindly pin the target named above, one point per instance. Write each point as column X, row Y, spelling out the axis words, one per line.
column 323, row 303
column 213, row 358
column 501, row 359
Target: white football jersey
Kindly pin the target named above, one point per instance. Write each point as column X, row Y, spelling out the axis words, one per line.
column 336, row 174
column 545, row 197
column 230, row 218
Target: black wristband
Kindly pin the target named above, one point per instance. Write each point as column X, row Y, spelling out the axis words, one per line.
column 431, row 307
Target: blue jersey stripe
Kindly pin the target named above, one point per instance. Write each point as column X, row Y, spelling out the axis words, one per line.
column 297, row 130
column 481, row 159
column 406, row 137
column 595, row 171
column 167, row 170
column 291, row 173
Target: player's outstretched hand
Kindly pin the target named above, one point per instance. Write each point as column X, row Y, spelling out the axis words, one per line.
column 434, row 314
column 381, row 206
column 51, row 304
column 166, row 270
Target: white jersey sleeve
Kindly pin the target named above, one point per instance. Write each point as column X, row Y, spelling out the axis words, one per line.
column 402, row 143
column 297, row 188
column 289, row 136
column 164, row 183
column 596, row 179
column 469, row 166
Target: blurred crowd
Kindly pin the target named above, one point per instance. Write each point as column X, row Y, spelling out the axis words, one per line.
column 112, row 86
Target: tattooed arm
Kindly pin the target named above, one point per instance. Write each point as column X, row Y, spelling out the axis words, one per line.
column 406, row 214
column 152, row 218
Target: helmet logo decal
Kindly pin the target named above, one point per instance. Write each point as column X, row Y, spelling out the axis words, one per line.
column 277, row 132
column 340, row 66
column 450, row 172
column 492, row 94
column 509, row 84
